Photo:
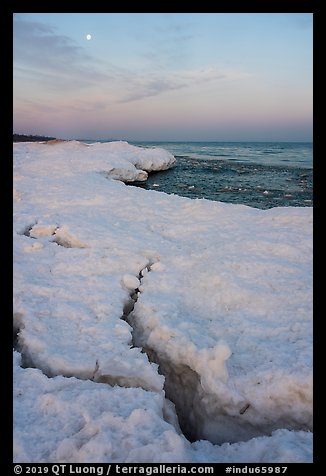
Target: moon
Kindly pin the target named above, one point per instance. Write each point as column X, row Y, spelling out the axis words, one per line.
column 88, row 37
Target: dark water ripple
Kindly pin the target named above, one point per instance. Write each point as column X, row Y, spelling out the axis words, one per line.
column 256, row 185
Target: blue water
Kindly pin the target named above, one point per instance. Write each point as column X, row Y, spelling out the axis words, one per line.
column 258, row 174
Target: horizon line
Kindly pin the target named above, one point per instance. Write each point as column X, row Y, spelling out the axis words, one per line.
column 198, row 141
column 107, row 139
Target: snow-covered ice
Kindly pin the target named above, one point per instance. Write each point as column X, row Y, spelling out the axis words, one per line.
column 62, row 420
column 218, row 295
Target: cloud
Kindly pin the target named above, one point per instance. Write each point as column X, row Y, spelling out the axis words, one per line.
column 56, row 80
column 60, row 66
column 143, row 88
column 37, row 44
column 154, row 87
column 41, row 53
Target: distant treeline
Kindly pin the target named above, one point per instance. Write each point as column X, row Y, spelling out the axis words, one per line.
column 30, row 138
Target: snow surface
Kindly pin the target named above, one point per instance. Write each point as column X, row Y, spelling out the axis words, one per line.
column 224, row 309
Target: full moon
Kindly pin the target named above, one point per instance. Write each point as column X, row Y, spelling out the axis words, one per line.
column 88, row 37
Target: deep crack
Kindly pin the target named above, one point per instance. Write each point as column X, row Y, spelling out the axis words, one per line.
column 203, row 415
column 188, row 378
column 27, row 230
column 26, row 361
column 185, row 378
column 178, row 383
column 170, row 413
column 17, row 323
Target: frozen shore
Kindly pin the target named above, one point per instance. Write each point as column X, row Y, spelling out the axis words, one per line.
column 218, row 295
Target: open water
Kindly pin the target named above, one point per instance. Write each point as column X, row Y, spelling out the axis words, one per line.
column 258, row 174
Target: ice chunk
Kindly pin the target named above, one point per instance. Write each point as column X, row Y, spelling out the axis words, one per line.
column 130, row 282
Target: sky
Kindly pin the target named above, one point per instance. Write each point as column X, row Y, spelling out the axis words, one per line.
column 163, row 76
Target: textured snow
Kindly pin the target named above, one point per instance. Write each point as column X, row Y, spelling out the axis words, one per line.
column 61, row 420
column 224, row 307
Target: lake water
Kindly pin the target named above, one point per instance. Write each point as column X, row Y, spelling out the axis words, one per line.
column 261, row 175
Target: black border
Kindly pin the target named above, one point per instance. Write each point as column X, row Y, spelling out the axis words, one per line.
column 244, row 6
